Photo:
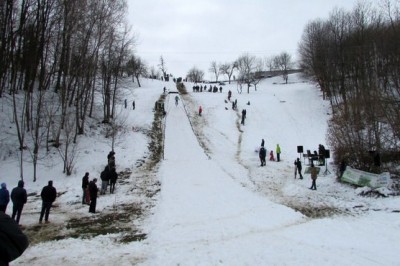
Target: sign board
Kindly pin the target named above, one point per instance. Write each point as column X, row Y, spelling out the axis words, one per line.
column 361, row 178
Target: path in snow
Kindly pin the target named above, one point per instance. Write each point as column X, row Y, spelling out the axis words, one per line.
column 201, row 206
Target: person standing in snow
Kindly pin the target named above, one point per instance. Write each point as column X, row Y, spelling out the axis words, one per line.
column 176, row 100
column 105, row 179
column 200, row 110
column 113, row 180
column 278, row 153
column 126, row 103
column 271, row 156
column 85, row 185
column 314, row 174
column 133, row 105
column 262, row 155
column 19, row 197
column 93, row 190
column 49, row 194
column 4, row 197
column 13, row 241
column 243, row 116
column 229, row 95
column 262, row 142
column 298, row 167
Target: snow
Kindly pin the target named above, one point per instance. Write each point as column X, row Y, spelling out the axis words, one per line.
column 215, row 204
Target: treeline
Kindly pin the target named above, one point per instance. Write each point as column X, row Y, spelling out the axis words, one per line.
column 54, row 57
column 355, row 58
column 250, row 69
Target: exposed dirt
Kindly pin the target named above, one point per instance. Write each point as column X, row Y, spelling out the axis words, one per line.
column 123, row 221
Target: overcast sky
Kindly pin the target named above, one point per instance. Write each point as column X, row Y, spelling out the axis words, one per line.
column 191, row 33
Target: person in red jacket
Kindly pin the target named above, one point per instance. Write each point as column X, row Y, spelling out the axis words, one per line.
column 200, row 110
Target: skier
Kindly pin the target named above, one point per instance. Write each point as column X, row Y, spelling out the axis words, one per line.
column 176, row 100
column 262, row 155
column 200, row 110
column 262, row 142
column 297, row 168
column 229, row 95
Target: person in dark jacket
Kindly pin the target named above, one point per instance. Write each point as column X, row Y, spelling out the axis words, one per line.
column 13, row 241
column 19, row 198
column 314, row 175
column 93, row 190
column 105, row 179
column 85, row 185
column 113, row 179
column 262, row 155
column 297, row 164
column 49, row 194
column 4, row 197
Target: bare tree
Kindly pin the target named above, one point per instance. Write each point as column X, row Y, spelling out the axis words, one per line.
column 163, row 68
column 246, row 65
column 228, row 69
column 214, row 69
column 283, row 62
column 195, row 75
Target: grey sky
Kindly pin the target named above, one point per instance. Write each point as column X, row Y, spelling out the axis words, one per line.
column 196, row 32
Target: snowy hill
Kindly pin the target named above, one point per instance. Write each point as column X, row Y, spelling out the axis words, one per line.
column 207, row 201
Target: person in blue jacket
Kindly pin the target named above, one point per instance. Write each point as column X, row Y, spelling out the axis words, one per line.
column 4, row 197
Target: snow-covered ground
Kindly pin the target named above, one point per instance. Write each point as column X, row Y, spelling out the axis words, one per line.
column 208, row 202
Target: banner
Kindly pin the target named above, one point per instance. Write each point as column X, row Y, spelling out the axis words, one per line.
column 361, row 178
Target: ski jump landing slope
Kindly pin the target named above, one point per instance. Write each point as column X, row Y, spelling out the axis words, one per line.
column 203, row 216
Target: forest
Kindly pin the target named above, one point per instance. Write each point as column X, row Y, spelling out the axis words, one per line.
column 355, row 59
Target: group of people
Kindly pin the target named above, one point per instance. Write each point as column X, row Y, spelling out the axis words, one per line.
column 214, row 88
column 126, row 104
column 108, row 177
column 262, row 153
column 19, row 198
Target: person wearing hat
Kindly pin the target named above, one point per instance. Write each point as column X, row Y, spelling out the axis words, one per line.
column 19, row 197
column 4, row 197
column 49, row 194
column 13, row 242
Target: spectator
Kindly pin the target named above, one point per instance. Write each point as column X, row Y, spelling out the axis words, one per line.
column 19, row 197
column 262, row 155
column 93, row 190
column 314, row 174
column 13, row 242
column 49, row 194
column 4, row 197
column 113, row 180
column 271, row 156
column 298, row 168
column 278, row 153
column 105, row 179
column 85, row 186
